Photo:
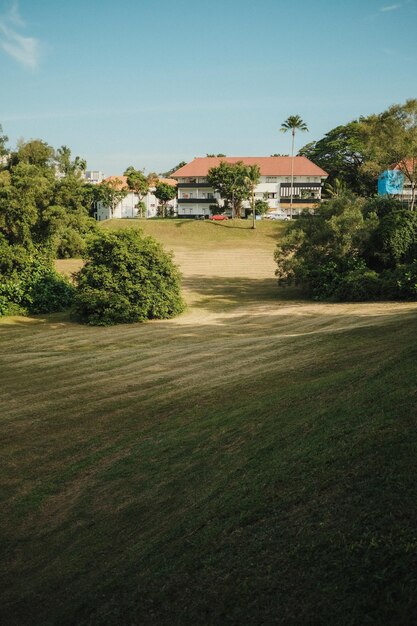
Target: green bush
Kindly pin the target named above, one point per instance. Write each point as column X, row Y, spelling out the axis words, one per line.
column 29, row 283
column 359, row 286
column 127, row 278
column 352, row 249
column 401, row 283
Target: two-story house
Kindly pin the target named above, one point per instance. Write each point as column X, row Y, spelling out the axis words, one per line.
column 195, row 195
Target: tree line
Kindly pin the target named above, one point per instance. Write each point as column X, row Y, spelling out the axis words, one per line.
column 46, row 211
column 358, row 246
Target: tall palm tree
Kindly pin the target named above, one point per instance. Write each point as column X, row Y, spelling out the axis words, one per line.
column 293, row 123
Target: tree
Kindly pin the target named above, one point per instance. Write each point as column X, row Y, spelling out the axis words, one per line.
column 173, row 169
column 261, row 207
column 293, row 123
column 27, row 192
column 34, row 152
column 336, row 189
column 391, row 139
column 127, row 278
column 229, row 179
column 357, row 152
column 352, row 249
column 110, row 193
column 66, row 166
column 164, row 194
column 3, row 140
column 342, row 153
column 252, row 177
column 139, row 184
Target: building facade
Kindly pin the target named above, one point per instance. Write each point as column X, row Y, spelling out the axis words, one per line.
column 127, row 208
column 195, row 195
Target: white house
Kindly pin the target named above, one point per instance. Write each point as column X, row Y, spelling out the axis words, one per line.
column 195, row 194
column 94, row 176
column 127, row 208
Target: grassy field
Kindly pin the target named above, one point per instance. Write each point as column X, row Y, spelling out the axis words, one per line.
column 250, row 462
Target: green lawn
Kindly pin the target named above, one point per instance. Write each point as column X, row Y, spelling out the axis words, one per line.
column 251, row 462
column 175, row 232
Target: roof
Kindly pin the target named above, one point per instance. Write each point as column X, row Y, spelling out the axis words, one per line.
column 269, row 166
column 405, row 164
column 168, row 181
column 120, row 182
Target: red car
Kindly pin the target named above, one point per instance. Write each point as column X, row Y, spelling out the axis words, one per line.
column 218, row 218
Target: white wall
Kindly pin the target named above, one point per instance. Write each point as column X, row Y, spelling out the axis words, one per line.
column 127, row 207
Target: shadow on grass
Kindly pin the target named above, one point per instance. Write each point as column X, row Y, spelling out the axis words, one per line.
column 183, row 222
column 218, row 293
column 235, row 223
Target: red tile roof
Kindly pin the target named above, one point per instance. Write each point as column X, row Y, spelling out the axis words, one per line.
column 406, row 164
column 269, row 166
column 168, row 181
column 120, row 182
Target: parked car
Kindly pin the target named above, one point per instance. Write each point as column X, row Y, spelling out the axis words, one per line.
column 276, row 216
column 218, row 218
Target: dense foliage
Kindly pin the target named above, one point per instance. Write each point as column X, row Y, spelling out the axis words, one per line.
column 164, row 193
column 352, row 249
column 44, row 214
column 234, row 182
column 44, row 201
column 356, row 153
column 29, row 283
column 127, row 278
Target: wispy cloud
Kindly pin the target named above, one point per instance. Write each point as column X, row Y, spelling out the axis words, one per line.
column 25, row 50
column 390, row 7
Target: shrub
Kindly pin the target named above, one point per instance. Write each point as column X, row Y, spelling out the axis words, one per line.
column 353, row 249
column 29, row 283
column 359, row 286
column 46, row 291
column 127, row 278
column 401, row 283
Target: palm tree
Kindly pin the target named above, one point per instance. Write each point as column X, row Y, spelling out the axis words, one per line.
column 253, row 174
column 293, row 123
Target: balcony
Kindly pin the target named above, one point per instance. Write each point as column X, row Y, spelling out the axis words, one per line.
column 192, row 185
column 196, row 200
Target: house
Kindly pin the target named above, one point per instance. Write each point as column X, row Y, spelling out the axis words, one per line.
column 127, row 208
column 195, row 194
column 94, row 176
column 408, row 167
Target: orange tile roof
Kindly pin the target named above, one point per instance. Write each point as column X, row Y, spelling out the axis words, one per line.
column 168, row 181
column 269, row 166
column 120, row 182
column 408, row 164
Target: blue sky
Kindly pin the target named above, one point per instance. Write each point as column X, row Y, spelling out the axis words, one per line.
column 150, row 83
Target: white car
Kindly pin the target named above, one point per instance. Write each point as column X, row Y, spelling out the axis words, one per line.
column 276, row 216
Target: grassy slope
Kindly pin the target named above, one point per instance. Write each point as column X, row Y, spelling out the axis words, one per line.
column 196, row 233
column 252, row 462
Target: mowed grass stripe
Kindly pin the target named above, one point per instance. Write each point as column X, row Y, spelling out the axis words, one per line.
column 251, row 461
